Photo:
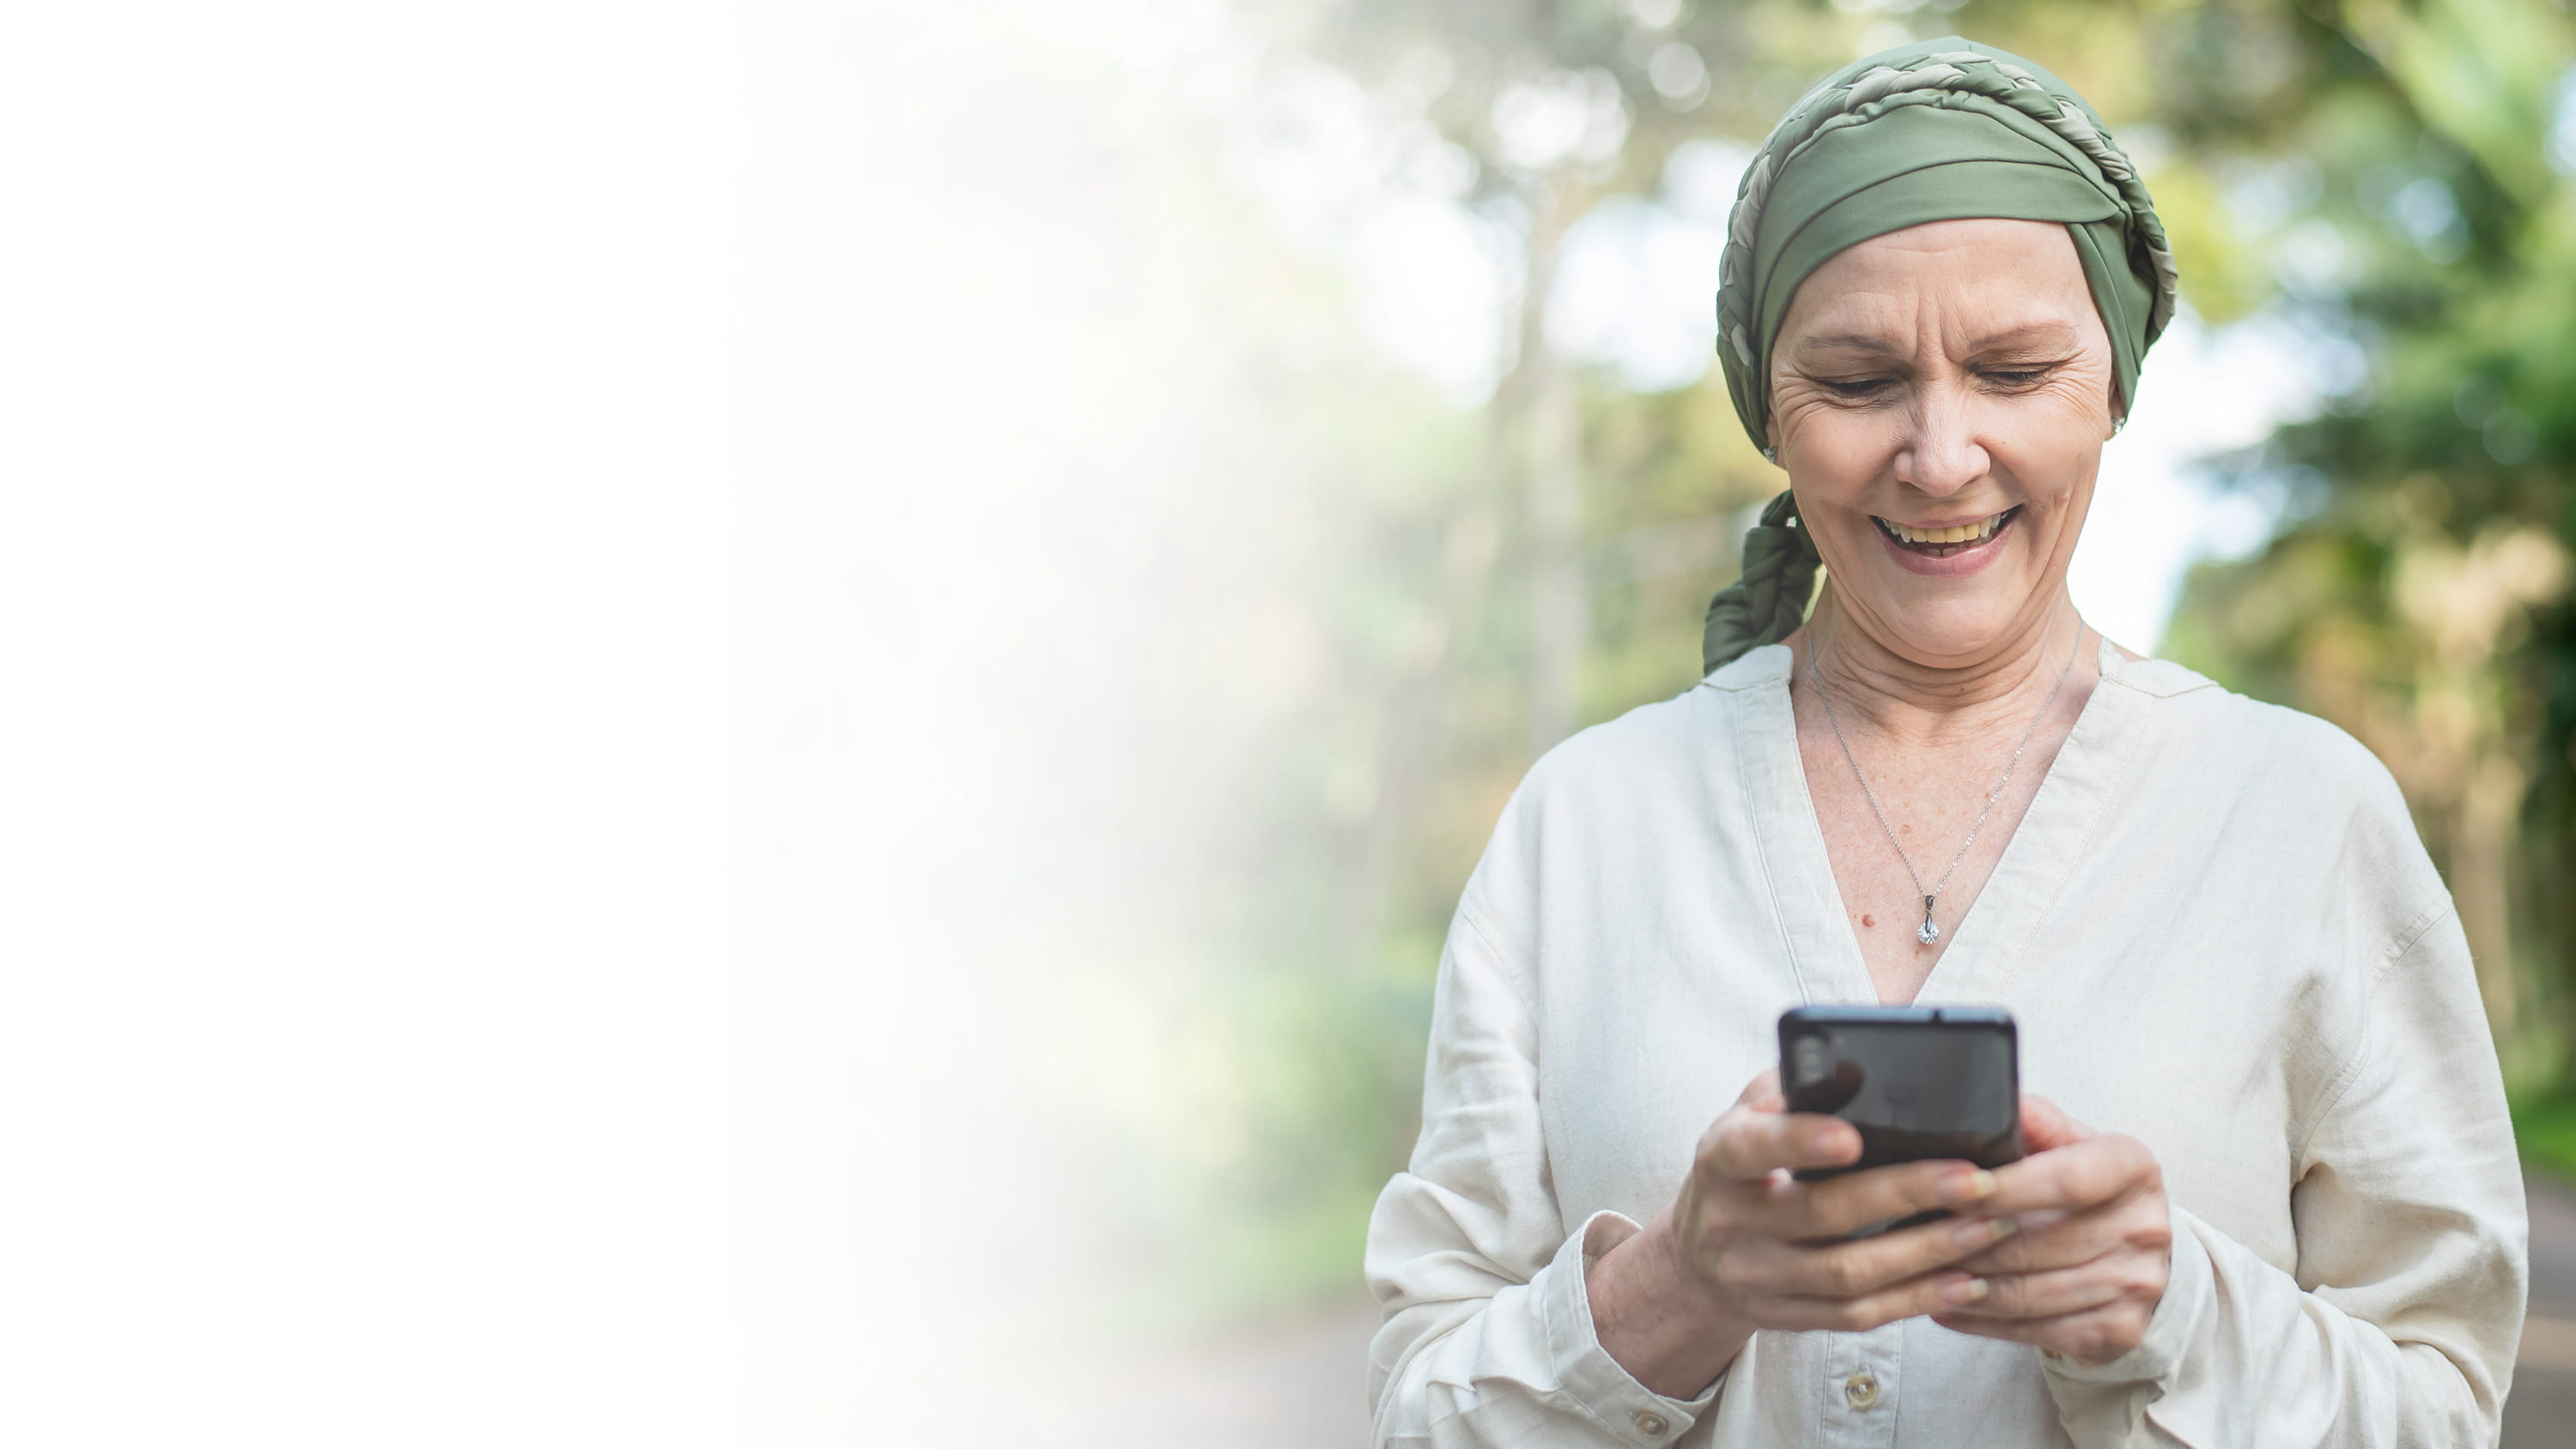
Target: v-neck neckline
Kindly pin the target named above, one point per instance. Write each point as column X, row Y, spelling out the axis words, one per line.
column 1986, row 943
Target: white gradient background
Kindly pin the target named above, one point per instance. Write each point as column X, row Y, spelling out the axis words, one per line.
column 610, row 616
column 370, row 1029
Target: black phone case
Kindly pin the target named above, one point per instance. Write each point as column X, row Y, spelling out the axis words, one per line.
column 1955, row 1096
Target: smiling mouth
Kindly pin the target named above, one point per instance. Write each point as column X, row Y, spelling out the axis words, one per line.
column 1943, row 542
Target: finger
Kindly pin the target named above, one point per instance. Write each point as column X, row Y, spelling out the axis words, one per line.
column 2052, row 1239
column 1862, row 1266
column 2092, row 1337
column 1933, row 1294
column 2045, row 1126
column 2059, row 1292
column 2083, row 1175
column 1748, row 1144
column 1855, row 1200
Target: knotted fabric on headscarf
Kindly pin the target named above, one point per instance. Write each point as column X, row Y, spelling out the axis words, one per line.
column 1769, row 597
column 1939, row 130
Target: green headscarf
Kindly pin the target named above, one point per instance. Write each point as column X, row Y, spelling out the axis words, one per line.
column 1939, row 130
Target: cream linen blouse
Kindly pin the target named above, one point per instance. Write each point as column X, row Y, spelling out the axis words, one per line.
column 2219, row 934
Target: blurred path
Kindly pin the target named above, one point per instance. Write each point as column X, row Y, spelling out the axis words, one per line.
column 2542, row 1412
column 1298, row 1381
column 1301, row 1381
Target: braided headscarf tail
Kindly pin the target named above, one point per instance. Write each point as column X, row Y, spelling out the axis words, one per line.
column 1769, row 597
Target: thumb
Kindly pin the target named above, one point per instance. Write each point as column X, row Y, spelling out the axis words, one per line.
column 2043, row 1126
column 1763, row 1094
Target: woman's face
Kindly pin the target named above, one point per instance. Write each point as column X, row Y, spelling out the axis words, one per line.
column 1940, row 396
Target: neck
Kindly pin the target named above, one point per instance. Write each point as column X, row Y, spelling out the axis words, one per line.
column 1901, row 695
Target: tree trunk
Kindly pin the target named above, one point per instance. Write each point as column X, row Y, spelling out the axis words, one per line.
column 1544, row 418
column 2482, row 849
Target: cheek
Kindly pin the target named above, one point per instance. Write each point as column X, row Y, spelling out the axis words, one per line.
column 2052, row 448
column 1833, row 443
column 2073, row 416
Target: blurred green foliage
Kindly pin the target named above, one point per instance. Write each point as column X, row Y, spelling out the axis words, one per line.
column 2544, row 1127
column 2377, row 173
column 2418, row 596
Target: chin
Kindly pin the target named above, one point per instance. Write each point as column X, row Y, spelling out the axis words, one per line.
column 1953, row 629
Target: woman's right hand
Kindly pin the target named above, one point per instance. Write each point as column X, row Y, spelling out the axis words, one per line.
column 1746, row 1246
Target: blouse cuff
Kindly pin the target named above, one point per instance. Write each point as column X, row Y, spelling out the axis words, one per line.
column 2190, row 1284
column 1632, row 1413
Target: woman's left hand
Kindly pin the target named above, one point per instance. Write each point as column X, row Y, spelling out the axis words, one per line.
column 2088, row 1267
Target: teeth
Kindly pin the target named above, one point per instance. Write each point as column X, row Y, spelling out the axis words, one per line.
column 1962, row 533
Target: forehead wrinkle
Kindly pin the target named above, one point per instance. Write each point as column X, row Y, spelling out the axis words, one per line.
column 1850, row 342
column 2042, row 341
column 1942, row 279
column 2027, row 334
column 2033, row 336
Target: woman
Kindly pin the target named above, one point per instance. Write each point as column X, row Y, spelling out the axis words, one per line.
column 2295, row 1218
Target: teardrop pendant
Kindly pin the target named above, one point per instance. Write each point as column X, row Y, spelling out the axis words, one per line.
column 1927, row 933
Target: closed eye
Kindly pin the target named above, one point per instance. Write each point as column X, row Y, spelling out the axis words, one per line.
column 2019, row 377
column 1855, row 387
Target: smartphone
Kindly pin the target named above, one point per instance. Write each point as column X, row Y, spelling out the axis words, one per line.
column 1918, row 1081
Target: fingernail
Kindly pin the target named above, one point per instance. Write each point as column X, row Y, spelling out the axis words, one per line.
column 1968, row 1292
column 2006, row 1227
column 1968, row 1187
column 1974, row 1234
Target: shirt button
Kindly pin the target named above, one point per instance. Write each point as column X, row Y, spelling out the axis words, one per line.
column 1861, row 1389
column 1650, row 1423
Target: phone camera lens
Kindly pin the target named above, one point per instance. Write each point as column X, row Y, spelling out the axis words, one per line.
column 1807, row 1059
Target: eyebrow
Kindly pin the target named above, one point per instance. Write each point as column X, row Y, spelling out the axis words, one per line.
column 1863, row 342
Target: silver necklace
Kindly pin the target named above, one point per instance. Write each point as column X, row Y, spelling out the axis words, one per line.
column 1927, row 933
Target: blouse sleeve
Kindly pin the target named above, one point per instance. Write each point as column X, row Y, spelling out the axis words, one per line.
column 1488, row 1336
column 2400, row 1325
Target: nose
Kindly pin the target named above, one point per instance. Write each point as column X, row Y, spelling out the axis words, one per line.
column 1942, row 454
